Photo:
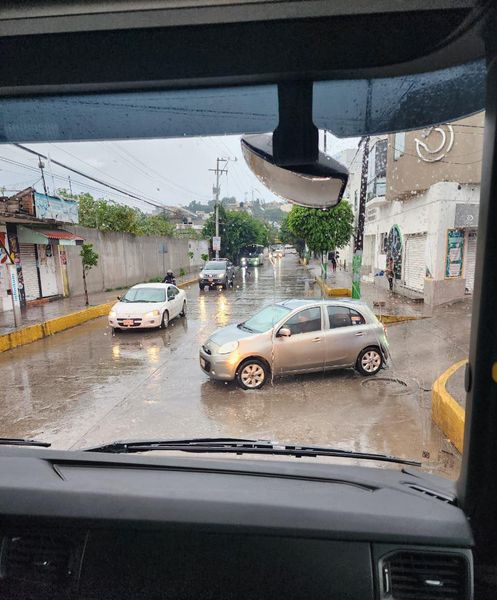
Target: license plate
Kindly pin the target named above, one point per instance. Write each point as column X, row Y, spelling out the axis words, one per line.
column 210, row 278
column 128, row 322
column 202, row 363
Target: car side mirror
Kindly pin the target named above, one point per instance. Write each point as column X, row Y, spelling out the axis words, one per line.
column 118, row 297
column 284, row 332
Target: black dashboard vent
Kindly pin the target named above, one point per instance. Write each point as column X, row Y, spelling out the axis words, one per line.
column 426, row 576
column 432, row 494
column 45, row 558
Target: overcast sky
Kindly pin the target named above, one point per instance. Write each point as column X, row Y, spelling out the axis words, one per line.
column 167, row 172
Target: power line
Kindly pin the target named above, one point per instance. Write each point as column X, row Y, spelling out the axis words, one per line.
column 165, row 179
column 95, row 168
column 60, row 177
column 99, row 181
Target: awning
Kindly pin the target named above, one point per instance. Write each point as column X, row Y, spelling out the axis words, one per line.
column 28, row 235
column 63, row 237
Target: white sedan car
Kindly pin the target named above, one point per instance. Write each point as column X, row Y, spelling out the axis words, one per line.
column 148, row 305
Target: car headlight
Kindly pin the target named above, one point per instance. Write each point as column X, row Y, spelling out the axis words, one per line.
column 112, row 314
column 222, row 275
column 200, row 275
column 228, row 347
column 152, row 314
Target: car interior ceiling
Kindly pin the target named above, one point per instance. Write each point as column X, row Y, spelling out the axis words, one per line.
column 159, row 526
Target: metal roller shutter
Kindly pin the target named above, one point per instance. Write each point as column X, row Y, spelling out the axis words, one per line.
column 470, row 260
column 414, row 262
column 29, row 271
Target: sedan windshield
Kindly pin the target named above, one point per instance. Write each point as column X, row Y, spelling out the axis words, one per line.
column 265, row 319
column 144, row 295
column 215, row 266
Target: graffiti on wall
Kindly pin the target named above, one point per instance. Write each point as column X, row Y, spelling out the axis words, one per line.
column 394, row 250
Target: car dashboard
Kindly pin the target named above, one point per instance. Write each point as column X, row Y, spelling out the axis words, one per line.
column 115, row 526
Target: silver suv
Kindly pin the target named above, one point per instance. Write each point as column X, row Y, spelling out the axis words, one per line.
column 217, row 273
column 297, row 336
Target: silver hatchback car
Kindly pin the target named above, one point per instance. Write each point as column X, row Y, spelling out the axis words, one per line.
column 297, row 336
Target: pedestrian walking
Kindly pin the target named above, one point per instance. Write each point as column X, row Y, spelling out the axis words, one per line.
column 333, row 260
column 390, row 273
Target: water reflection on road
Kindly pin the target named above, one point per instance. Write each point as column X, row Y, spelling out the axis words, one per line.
column 86, row 386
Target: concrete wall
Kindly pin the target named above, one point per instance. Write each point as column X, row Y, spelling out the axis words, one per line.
column 126, row 259
column 443, row 291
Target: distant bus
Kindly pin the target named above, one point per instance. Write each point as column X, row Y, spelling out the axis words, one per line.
column 251, row 255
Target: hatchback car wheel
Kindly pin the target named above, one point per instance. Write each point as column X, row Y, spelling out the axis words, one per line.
column 252, row 374
column 369, row 361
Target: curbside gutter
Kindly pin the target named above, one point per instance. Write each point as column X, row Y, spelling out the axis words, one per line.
column 446, row 412
column 32, row 333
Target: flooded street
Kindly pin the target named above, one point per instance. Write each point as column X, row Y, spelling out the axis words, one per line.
column 86, row 386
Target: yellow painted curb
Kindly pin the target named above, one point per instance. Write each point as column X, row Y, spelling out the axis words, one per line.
column 32, row 333
column 329, row 291
column 446, row 412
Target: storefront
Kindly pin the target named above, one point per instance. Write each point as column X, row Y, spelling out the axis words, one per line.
column 5, row 301
column 42, row 259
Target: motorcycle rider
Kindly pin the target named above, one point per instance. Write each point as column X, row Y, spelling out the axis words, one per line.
column 169, row 278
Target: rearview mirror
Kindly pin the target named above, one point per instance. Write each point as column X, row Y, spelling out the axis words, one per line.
column 284, row 332
column 319, row 184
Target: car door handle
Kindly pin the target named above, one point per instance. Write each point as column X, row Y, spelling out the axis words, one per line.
column 359, row 333
column 318, row 339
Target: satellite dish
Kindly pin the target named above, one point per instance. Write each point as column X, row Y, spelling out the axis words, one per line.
column 320, row 184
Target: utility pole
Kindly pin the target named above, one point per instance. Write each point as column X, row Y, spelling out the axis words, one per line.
column 324, row 145
column 41, row 166
column 70, row 185
column 359, row 237
column 216, row 189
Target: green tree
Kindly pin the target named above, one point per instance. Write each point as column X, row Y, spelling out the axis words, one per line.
column 108, row 216
column 89, row 259
column 322, row 230
column 288, row 237
column 237, row 229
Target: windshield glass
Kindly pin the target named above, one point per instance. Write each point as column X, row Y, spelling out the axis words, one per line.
column 83, row 221
column 144, row 294
column 215, row 266
column 266, row 318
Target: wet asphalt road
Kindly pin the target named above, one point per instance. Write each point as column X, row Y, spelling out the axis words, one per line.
column 86, row 386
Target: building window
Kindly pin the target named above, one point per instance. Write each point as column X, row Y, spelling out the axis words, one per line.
column 383, row 243
column 399, row 144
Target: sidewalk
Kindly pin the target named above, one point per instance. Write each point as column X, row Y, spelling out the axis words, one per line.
column 46, row 319
column 381, row 300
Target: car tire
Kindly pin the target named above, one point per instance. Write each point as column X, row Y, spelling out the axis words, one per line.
column 183, row 312
column 369, row 361
column 115, row 330
column 252, row 374
column 165, row 320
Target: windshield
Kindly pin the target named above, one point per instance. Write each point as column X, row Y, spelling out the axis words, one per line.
column 266, row 318
column 251, row 250
column 375, row 294
column 215, row 266
column 144, row 294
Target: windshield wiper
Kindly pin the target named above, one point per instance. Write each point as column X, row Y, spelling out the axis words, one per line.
column 243, row 446
column 243, row 326
column 23, row 442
